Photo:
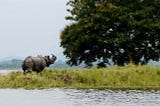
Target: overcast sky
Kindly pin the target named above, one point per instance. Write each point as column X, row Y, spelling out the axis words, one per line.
column 31, row 27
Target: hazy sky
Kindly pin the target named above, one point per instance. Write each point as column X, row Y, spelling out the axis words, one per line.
column 31, row 27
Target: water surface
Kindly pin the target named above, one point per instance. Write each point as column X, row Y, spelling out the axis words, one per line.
column 5, row 72
column 72, row 97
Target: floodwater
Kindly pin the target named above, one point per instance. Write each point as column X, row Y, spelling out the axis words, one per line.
column 5, row 72
column 73, row 97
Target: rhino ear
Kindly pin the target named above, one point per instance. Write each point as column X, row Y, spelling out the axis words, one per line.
column 53, row 55
column 47, row 58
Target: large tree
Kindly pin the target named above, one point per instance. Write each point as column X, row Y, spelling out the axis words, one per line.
column 119, row 30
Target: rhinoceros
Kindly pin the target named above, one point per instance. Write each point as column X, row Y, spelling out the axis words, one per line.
column 38, row 63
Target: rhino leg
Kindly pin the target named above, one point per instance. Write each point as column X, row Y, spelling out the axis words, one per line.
column 25, row 71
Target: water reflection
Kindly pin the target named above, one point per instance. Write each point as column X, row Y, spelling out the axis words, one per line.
column 117, row 98
column 72, row 97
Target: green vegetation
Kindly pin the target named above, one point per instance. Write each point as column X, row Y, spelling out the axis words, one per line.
column 128, row 77
column 121, row 30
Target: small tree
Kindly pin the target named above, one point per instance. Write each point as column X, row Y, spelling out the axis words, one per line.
column 123, row 31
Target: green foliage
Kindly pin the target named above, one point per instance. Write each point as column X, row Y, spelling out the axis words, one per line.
column 128, row 77
column 123, row 31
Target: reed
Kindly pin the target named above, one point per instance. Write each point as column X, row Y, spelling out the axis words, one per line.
column 127, row 77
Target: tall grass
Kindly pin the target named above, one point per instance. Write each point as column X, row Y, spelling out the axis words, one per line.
column 128, row 77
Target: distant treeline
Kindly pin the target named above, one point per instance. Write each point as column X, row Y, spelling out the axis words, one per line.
column 10, row 64
column 16, row 64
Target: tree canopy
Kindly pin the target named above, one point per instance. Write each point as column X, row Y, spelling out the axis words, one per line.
column 119, row 30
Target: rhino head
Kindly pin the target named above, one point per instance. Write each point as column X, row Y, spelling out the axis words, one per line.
column 53, row 59
column 49, row 60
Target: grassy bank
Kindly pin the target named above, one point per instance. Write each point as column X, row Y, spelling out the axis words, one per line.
column 128, row 77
